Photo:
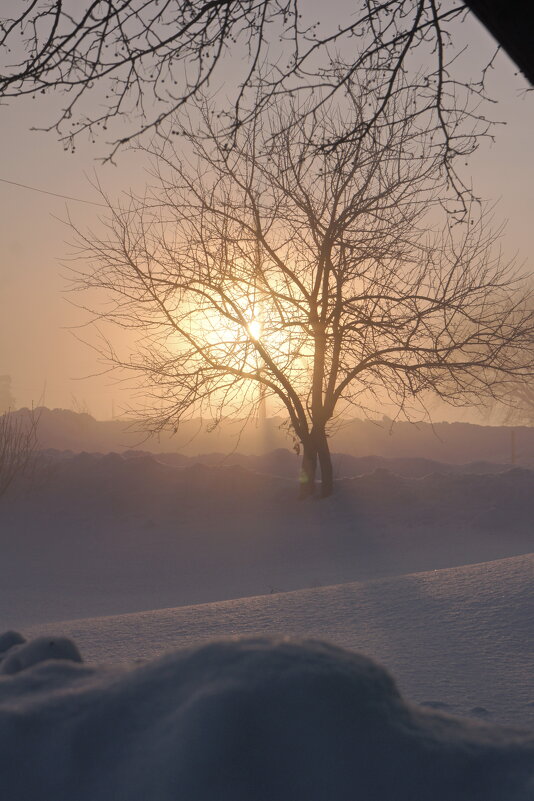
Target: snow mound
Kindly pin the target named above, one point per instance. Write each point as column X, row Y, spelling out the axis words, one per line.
column 251, row 720
column 20, row 657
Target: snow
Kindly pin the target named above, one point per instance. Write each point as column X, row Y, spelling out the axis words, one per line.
column 258, row 719
column 120, row 559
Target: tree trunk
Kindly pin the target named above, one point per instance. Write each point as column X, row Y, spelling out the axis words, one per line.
column 308, row 468
column 325, row 462
column 316, row 449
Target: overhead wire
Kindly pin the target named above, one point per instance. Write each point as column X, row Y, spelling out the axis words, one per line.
column 53, row 194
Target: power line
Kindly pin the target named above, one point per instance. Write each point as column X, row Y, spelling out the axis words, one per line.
column 54, row 194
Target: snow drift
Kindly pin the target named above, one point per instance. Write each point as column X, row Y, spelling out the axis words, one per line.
column 250, row 720
column 459, row 639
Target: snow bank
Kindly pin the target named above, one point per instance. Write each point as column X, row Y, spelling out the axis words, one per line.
column 250, row 720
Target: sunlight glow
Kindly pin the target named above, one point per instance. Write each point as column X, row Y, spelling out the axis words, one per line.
column 230, row 333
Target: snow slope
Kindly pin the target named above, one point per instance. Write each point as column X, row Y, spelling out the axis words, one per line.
column 254, row 720
column 459, row 639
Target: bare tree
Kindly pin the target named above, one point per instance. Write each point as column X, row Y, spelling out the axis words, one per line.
column 516, row 407
column 141, row 60
column 314, row 278
column 18, row 441
column 6, row 398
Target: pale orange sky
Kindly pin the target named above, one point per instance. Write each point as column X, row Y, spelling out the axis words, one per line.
column 45, row 361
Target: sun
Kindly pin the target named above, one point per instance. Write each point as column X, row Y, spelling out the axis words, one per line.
column 255, row 329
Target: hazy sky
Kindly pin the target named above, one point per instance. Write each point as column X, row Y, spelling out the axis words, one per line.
column 45, row 360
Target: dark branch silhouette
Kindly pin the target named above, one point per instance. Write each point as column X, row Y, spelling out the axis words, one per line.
column 140, row 61
column 18, row 441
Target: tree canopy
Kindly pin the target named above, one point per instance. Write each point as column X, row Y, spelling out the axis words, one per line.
column 315, row 278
